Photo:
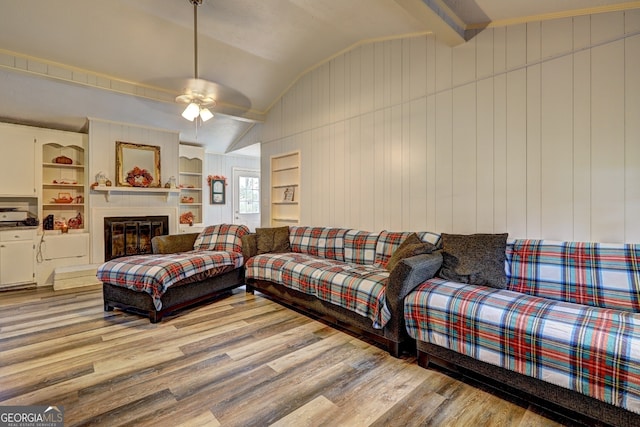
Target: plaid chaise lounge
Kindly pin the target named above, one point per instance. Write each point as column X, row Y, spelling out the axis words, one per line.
column 183, row 270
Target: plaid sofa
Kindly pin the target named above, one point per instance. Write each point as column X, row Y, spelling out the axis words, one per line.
column 341, row 273
column 570, row 317
column 184, row 269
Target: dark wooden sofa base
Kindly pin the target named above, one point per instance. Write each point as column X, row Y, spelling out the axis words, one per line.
column 391, row 337
column 567, row 403
column 176, row 298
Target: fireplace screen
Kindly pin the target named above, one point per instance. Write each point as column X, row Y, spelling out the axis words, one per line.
column 126, row 236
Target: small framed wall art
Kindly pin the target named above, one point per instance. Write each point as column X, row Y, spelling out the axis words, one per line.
column 218, row 195
column 289, row 194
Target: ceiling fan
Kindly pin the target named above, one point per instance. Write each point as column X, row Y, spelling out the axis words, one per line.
column 199, row 95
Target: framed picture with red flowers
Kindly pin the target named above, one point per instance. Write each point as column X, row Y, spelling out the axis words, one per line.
column 137, row 165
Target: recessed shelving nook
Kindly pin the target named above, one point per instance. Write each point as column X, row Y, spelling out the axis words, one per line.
column 285, row 189
column 63, row 193
column 190, row 182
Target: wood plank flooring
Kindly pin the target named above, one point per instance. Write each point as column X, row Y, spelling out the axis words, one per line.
column 240, row 361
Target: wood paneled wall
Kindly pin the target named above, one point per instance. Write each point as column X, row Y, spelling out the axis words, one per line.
column 532, row 129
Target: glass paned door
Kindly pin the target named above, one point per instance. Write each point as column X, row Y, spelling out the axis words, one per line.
column 246, row 197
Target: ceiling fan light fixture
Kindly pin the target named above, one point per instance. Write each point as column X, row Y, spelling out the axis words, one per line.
column 191, row 112
column 197, row 100
column 205, row 114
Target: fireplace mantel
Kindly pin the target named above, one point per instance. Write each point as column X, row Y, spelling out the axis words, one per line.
column 114, row 190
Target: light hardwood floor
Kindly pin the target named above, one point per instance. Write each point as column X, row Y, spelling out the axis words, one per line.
column 240, row 361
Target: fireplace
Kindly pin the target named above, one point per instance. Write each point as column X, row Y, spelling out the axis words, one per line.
column 131, row 235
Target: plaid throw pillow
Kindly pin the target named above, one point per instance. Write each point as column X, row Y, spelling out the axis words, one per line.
column 221, row 237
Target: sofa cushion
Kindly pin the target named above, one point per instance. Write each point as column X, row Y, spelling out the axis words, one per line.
column 477, row 259
column 221, row 237
column 274, row 240
column 411, row 246
column 360, row 247
column 358, row 288
column 325, row 242
column 595, row 274
column 389, row 241
column 154, row 274
column 590, row 350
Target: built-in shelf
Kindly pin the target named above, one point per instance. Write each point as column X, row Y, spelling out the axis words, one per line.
column 63, row 166
column 285, row 189
column 286, row 169
column 63, row 176
column 108, row 191
column 191, row 180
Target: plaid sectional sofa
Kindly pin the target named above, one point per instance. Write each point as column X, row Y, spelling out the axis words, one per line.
column 340, row 274
column 183, row 270
column 566, row 329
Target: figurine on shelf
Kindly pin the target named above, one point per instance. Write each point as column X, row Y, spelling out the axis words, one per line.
column 101, row 178
column 75, row 222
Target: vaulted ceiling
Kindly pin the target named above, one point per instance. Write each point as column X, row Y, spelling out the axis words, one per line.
column 62, row 61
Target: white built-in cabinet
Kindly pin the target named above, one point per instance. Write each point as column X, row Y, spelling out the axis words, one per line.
column 17, row 170
column 190, row 182
column 17, row 258
column 59, row 181
column 285, row 189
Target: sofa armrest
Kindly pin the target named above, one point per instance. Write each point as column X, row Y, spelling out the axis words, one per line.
column 409, row 273
column 173, row 243
column 249, row 246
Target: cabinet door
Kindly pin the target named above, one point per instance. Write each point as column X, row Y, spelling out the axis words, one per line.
column 16, row 262
column 17, row 166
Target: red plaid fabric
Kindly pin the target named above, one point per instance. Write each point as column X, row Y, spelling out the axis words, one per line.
column 592, row 350
column 388, row 242
column 155, row 273
column 221, row 237
column 595, row 274
column 360, row 247
column 324, row 242
column 359, row 288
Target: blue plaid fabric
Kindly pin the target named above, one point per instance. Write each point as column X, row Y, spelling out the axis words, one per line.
column 595, row 274
column 221, row 237
column 155, row 273
column 359, row 288
column 592, row 350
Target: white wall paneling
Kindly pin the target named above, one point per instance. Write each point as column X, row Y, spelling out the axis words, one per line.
column 530, row 129
column 632, row 136
column 223, row 164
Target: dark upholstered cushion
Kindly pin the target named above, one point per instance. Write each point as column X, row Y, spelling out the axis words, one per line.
column 477, row 259
column 249, row 246
column 411, row 246
column 273, row 240
column 170, row 244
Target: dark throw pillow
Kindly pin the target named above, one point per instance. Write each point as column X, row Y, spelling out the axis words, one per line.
column 273, row 240
column 477, row 259
column 411, row 246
